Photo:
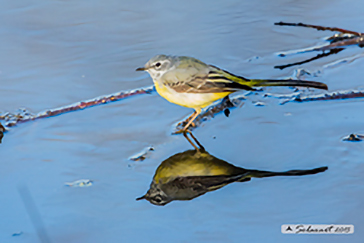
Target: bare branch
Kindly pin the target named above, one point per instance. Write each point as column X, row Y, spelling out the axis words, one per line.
column 322, row 28
column 25, row 116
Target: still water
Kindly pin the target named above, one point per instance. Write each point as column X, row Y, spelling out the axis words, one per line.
column 55, row 53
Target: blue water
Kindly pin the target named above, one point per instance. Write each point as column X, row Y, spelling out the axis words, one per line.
column 55, row 53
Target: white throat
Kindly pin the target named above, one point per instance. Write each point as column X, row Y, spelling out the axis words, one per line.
column 156, row 75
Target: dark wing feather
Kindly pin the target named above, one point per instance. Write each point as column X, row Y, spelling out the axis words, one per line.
column 211, row 83
column 206, row 183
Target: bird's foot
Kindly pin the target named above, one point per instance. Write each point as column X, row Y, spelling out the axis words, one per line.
column 185, row 122
column 181, row 131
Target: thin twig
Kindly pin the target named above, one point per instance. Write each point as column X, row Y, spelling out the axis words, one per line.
column 322, row 28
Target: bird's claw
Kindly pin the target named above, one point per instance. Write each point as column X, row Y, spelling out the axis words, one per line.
column 181, row 131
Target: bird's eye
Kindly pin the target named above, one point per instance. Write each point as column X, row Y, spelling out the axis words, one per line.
column 158, row 64
column 157, row 199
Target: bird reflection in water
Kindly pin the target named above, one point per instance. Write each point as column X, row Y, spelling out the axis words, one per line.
column 192, row 173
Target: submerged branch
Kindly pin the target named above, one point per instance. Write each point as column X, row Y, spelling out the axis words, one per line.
column 237, row 101
column 222, row 106
column 24, row 116
column 336, row 95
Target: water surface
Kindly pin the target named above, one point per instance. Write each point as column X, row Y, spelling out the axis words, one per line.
column 58, row 52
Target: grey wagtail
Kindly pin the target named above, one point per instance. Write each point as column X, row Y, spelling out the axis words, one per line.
column 191, row 83
column 190, row 174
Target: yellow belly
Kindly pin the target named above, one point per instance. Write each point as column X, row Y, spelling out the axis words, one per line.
column 192, row 163
column 190, row 100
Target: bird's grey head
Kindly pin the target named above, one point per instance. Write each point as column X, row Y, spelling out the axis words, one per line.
column 156, row 196
column 158, row 65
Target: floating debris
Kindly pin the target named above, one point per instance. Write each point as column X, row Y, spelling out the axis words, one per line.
column 142, row 155
column 253, row 58
column 17, row 233
column 353, row 138
column 300, row 72
column 80, row 183
column 259, row 103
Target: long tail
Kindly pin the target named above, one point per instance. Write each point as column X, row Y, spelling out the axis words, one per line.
column 261, row 174
column 288, row 82
column 238, row 82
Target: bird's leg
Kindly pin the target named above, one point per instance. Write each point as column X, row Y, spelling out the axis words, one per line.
column 185, row 128
column 197, row 112
column 189, row 140
column 201, row 148
column 187, row 120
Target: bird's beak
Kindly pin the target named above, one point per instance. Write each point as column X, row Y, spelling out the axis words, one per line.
column 142, row 197
column 141, row 69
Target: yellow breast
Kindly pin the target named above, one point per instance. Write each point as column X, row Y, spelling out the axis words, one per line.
column 190, row 100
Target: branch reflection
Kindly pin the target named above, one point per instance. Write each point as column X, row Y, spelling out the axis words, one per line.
column 324, row 54
column 187, row 175
column 338, row 42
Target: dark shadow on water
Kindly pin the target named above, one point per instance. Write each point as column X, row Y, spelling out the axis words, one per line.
column 33, row 213
column 190, row 174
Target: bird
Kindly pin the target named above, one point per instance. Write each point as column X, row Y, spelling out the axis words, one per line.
column 192, row 173
column 189, row 82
